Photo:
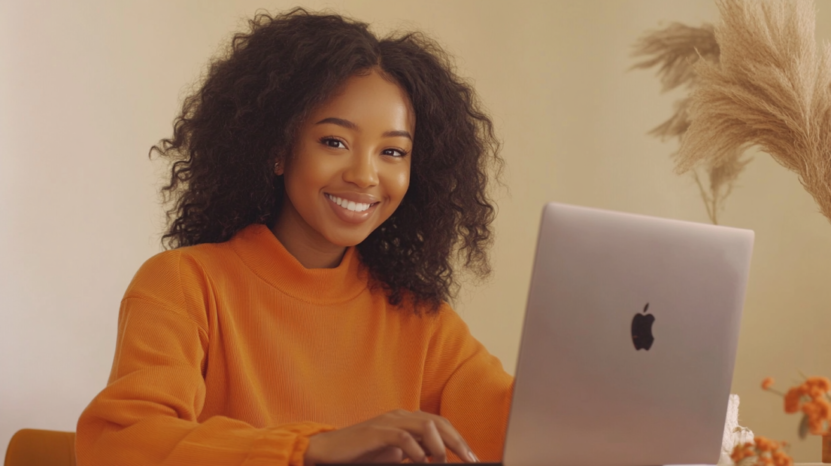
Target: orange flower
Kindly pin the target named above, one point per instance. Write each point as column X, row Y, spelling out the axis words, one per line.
column 764, row 444
column 815, row 387
column 818, row 411
column 816, row 427
column 823, row 408
column 812, row 397
column 742, row 451
column 816, row 393
column 821, row 383
column 813, row 391
column 780, row 458
column 792, row 399
column 764, row 451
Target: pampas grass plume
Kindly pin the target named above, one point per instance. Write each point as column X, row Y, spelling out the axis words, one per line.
column 769, row 89
column 675, row 50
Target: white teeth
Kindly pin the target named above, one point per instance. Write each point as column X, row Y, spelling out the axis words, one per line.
column 349, row 205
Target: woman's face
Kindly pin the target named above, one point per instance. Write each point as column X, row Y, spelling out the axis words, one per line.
column 350, row 167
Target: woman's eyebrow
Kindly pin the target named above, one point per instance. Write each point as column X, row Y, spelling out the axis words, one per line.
column 348, row 124
column 339, row 122
column 405, row 134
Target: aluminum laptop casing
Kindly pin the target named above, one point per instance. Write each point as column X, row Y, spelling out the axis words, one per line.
column 584, row 396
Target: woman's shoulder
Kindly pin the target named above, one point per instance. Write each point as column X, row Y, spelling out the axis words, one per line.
column 187, row 258
column 171, row 271
column 442, row 320
column 449, row 323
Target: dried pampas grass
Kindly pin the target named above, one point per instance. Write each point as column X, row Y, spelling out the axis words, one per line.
column 770, row 88
column 675, row 50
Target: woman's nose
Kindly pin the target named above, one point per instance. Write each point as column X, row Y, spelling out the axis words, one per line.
column 362, row 170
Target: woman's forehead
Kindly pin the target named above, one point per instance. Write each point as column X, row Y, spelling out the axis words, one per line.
column 372, row 99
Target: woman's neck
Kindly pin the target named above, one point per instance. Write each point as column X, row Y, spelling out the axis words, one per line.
column 311, row 249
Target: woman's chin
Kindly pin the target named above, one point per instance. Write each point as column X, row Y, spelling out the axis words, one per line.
column 347, row 239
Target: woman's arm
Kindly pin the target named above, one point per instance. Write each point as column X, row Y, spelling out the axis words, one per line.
column 468, row 386
column 148, row 413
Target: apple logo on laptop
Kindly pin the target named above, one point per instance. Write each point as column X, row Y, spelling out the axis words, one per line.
column 642, row 330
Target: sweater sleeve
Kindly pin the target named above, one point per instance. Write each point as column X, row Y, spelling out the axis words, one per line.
column 148, row 414
column 468, row 386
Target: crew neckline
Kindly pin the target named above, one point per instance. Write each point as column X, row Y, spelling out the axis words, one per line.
column 266, row 256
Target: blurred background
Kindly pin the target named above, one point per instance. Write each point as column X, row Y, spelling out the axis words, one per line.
column 86, row 87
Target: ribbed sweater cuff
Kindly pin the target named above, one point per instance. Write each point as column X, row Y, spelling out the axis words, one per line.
column 284, row 445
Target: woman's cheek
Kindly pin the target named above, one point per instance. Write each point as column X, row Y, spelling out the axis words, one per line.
column 402, row 182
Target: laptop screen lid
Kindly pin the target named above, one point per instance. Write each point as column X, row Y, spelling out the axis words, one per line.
column 593, row 386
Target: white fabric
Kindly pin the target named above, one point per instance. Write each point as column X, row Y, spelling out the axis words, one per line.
column 734, row 434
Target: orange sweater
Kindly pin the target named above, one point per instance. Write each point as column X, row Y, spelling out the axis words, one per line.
column 234, row 354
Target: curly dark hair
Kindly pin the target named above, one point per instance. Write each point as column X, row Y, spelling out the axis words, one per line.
column 244, row 118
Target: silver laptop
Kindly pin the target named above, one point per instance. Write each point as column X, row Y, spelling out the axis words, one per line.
column 629, row 341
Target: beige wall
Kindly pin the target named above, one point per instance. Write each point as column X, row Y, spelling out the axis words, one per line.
column 86, row 87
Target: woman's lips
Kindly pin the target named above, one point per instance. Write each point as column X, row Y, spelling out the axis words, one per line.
column 349, row 216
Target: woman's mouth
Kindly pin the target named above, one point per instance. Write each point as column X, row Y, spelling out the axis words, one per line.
column 351, row 211
column 349, row 205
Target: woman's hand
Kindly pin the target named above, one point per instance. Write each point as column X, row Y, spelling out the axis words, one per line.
column 389, row 438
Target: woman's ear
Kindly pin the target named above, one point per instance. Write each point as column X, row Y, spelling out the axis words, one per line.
column 278, row 168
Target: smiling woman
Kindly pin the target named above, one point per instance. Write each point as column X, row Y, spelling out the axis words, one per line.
column 247, row 116
column 322, row 182
column 349, row 171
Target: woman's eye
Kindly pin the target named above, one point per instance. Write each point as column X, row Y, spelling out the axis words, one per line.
column 394, row 152
column 333, row 143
